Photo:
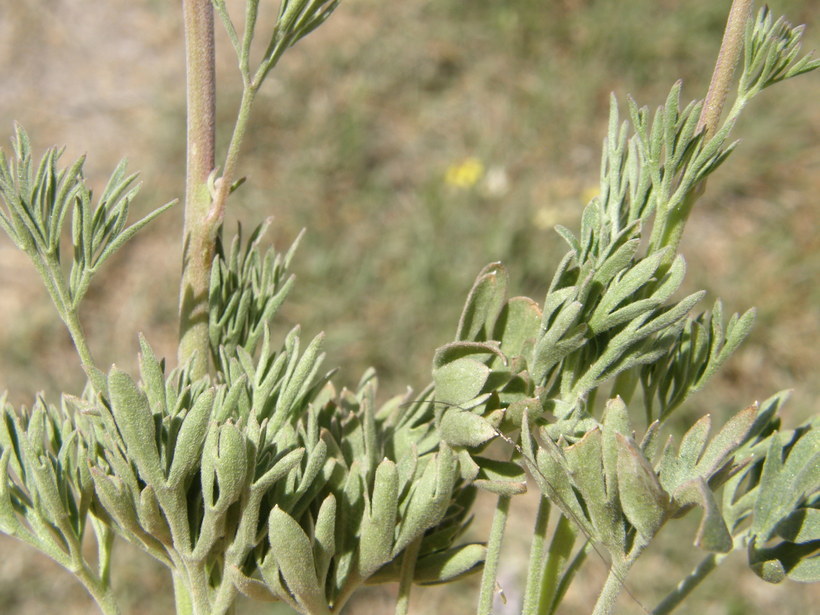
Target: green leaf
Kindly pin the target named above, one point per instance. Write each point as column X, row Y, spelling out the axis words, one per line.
column 500, row 477
column 585, row 460
column 290, row 549
column 231, row 465
column 152, row 519
column 458, row 350
column 712, row 533
column 484, row 302
column 379, row 524
column 284, row 465
column 135, row 422
column 643, row 500
column 429, row 497
column 517, row 325
column 324, row 537
column 801, row 526
column 464, row 428
column 188, row 449
column 447, row 566
column 460, row 381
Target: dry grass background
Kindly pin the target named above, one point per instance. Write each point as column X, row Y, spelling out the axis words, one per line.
column 352, row 139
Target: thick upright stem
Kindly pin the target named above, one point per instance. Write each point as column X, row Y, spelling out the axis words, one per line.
column 199, row 234
column 728, row 58
column 671, row 231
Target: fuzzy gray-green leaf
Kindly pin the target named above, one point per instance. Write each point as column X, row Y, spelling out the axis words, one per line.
column 324, row 536
column 285, row 465
column 801, row 526
column 135, row 421
column 643, row 500
column 483, row 304
column 500, row 477
column 517, row 324
column 378, row 528
column 712, row 533
column 231, row 465
column 191, row 437
column 460, row 381
column 464, row 428
column 449, row 565
column 291, row 549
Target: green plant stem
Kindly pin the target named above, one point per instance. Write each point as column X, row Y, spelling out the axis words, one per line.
column 610, row 592
column 549, row 590
column 490, row 573
column 49, row 269
column 685, row 587
column 199, row 233
column 101, row 592
column 728, row 58
column 105, row 544
column 408, row 569
column 537, row 547
column 183, row 605
column 223, row 185
column 198, row 587
column 670, row 230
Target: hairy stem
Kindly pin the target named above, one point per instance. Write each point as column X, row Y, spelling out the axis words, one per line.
column 101, row 592
column 199, row 234
column 609, row 594
column 488, row 577
column 408, row 569
column 685, row 587
column 223, row 185
column 728, row 58
column 182, row 597
column 539, row 543
column 49, row 269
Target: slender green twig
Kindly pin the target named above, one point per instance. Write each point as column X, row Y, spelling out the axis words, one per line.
column 609, row 593
column 48, row 267
column 549, row 591
column 539, row 541
column 408, row 569
column 687, row 585
column 222, row 187
column 488, row 577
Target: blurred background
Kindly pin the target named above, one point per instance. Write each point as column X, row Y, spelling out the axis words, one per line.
column 416, row 141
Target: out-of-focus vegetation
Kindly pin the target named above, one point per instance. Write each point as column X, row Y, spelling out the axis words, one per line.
column 416, row 141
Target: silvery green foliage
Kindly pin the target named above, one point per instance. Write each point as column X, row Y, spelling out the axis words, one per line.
column 610, row 318
column 38, row 199
column 263, row 479
column 46, row 492
column 296, row 19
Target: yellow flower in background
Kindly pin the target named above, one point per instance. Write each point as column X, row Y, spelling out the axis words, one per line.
column 464, row 174
column 589, row 193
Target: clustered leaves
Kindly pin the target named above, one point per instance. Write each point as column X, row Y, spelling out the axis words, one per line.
column 262, row 479
column 296, row 19
column 38, row 198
